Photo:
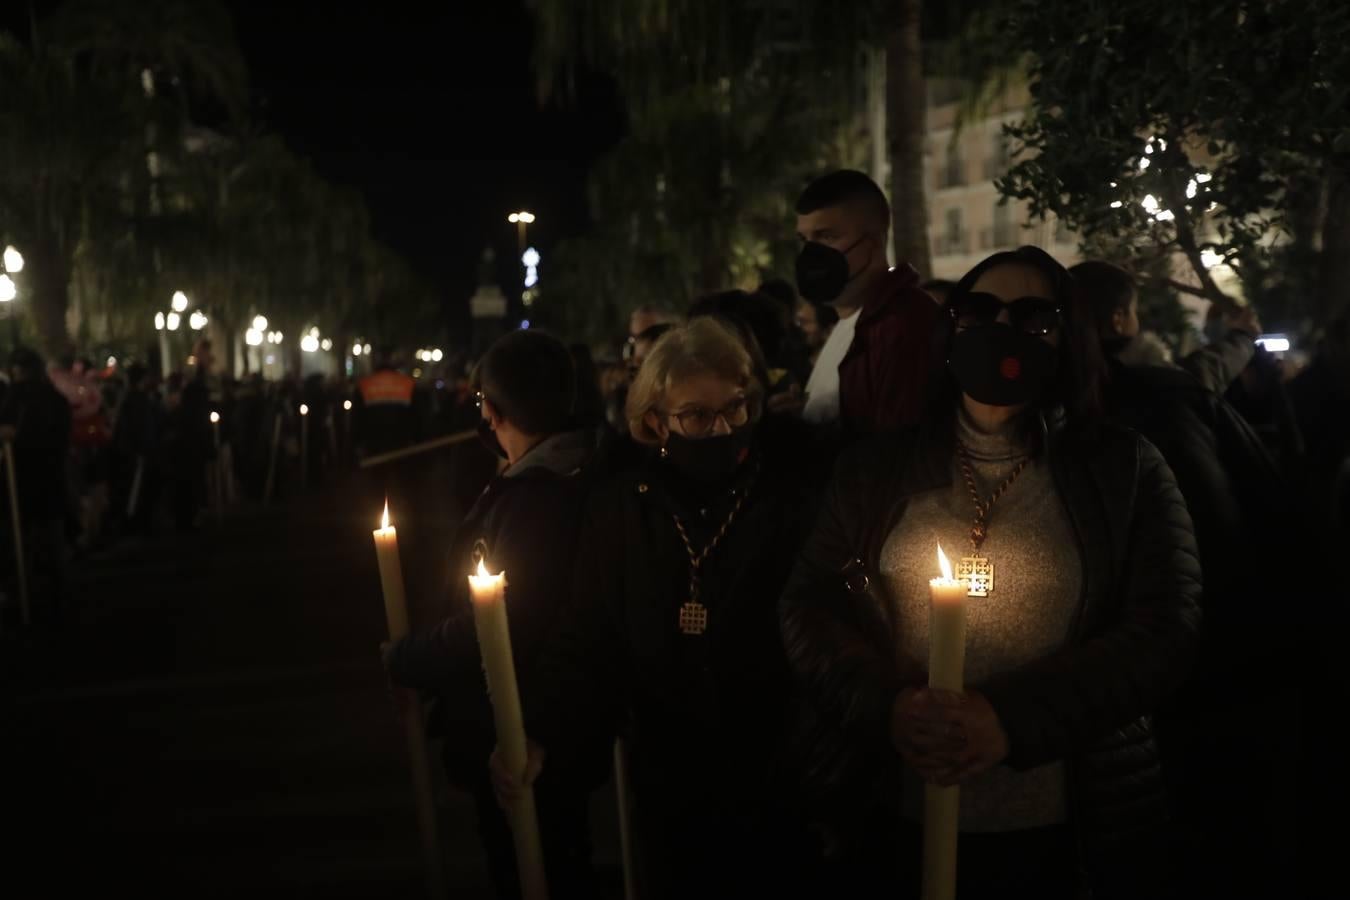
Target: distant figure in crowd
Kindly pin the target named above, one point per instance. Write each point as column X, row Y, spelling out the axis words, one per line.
column 672, row 637
column 1215, row 365
column 36, row 419
column 647, row 316
column 385, row 419
column 1242, row 515
column 870, row 374
column 137, row 436
column 1088, row 620
column 528, row 517
column 816, row 321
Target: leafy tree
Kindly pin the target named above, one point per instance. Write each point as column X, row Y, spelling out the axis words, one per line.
column 1209, row 134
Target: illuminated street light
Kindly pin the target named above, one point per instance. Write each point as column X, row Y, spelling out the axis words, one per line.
column 356, row 349
column 260, row 323
column 366, row 349
column 7, row 289
column 172, row 320
column 347, row 405
column 437, row 355
column 521, row 220
column 304, row 409
column 309, row 343
column 197, row 321
column 253, row 337
column 215, row 417
column 159, row 321
column 112, row 362
column 421, row 355
column 180, row 302
column 13, row 260
column 326, row 344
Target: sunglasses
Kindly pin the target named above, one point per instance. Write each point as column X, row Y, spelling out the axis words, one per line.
column 1032, row 315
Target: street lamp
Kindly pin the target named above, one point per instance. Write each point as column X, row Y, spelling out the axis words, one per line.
column 180, row 301
column 13, row 260
column 260, row 323
column 7, row 289
column 159, row 321
column 197, row 321
column 521, row 220
column 172, row 320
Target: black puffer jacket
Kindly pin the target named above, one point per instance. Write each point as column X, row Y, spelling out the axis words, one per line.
column 1088, row 703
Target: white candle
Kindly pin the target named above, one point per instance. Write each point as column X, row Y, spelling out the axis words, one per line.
column 946, row 666
column 494, row 644
column 396, row 615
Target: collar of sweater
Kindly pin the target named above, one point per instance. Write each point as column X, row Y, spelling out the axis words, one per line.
column 561, row 454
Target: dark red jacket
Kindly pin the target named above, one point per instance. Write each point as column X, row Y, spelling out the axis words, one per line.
column 883, row 376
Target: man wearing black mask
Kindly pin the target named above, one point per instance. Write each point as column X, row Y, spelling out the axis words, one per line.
column 528, row 517
column 871, row 374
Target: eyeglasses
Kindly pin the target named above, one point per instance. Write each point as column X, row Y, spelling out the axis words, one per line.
column 697, row 421
column 1032, row 315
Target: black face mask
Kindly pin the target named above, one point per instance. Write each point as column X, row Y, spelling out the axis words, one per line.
column 488, row 437
column 822, row 271
column 709, row 459
column 1000, row 366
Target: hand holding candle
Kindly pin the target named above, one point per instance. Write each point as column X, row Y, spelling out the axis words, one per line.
column 946, row 666
column 494, row 643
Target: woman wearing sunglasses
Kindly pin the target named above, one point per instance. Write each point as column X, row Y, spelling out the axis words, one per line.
column 1082, row 615
column 674, row 638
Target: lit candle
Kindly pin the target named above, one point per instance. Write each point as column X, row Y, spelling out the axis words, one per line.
column 946, row 665
column 218, row 479
column 304, row 445
column 396, row 614
column 494, row 645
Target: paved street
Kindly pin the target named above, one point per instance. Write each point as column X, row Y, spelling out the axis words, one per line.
column 214, row 722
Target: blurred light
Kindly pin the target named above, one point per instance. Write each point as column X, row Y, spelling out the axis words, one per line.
column 527, row 218
column 215, row 417
column 356, row 349
column 1143, row 163
column 309, row 343
column 437, row 355
column 417, row 373
column 304, row 409
column 1211, row 258
column 280, row 337
column 440, row 384
column 1191, row 188
column 522, row 216
column 112, row 361
column 1164, row 216
column 1204, row 177
column 366, row 349
column 191, row 361
column 7, row 289
column 13, row 260
column 197, row 321
column 1150, row 204
column 326, row 344
column 314, row 331
column 531, row 257
column 513, row 218
column 531, row 277
column 179, row 302
column 420, row 355
column 253, row 337
column 347, row 405
column 171, row 321
column 525, row 325
column 1116, row 204
column 1275, row 343
column 270, row 359
column 260, row 323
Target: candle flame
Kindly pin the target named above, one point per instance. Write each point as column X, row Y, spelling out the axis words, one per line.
column 384, row 522
column 482, row 570
column 944, row 564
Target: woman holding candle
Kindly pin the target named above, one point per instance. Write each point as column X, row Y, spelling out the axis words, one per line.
column 673, row 637
column 1081, row 615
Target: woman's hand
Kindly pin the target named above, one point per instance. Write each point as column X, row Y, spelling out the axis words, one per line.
column 985, row 745
column 922, row 734
column 505, row 783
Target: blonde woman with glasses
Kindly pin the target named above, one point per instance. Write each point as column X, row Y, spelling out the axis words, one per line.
column 673, row 639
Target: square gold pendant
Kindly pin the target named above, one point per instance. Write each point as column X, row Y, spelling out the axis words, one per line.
column 978, row 572
column 693, row 618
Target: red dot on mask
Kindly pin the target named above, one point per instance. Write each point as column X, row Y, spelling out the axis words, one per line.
column 1010, row 368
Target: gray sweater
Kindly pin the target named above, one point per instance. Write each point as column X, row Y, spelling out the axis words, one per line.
column 1037, row 594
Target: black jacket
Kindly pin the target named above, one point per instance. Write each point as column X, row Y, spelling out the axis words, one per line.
column 707, row 714
column 41, row 417
column 529, row 520
column 1088, row 703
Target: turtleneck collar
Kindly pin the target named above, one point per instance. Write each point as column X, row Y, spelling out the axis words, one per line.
column 1007, row 443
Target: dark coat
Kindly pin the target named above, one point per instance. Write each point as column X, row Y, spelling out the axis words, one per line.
column 42, row 421
column 1088, row 703
column 530, row 521
column 705, row 715
column 883, row 377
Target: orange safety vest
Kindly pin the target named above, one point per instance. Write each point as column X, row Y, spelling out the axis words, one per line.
column 387, row 388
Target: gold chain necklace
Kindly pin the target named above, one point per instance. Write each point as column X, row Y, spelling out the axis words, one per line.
column 693, row 614
column 978, row 569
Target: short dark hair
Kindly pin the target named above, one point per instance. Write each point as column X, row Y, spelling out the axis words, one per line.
column 847, row 187
column 1077, row 386
column 530, row 379
column 753, row 316
column 1107, row 288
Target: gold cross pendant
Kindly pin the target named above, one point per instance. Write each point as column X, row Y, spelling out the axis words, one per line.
column 978, row 572
column 693, row 618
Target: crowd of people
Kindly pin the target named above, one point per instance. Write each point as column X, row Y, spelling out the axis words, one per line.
column 719, row 550
column 120, row 453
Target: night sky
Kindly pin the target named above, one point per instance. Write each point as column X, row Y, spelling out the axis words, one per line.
column 430, row 110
